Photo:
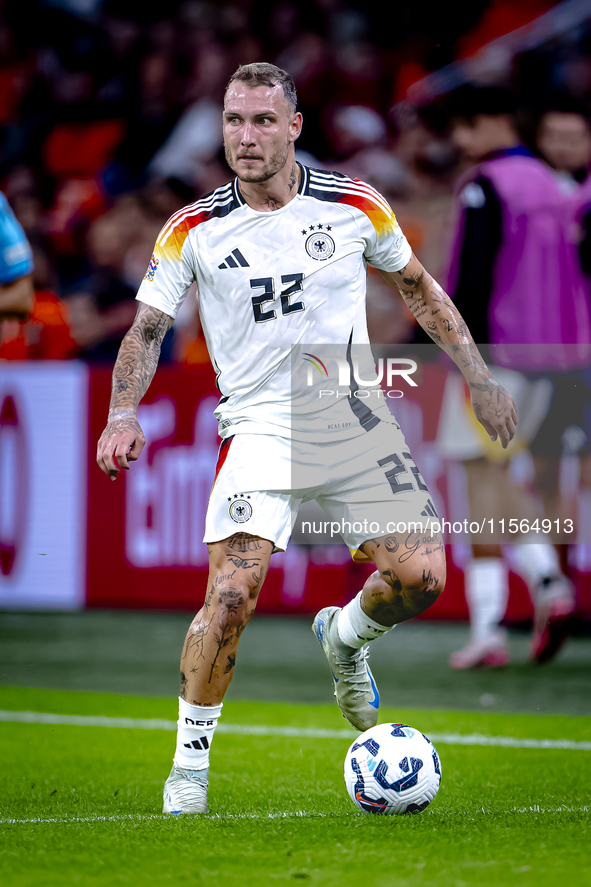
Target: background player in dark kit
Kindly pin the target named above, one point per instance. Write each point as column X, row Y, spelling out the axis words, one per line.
column 515, row 276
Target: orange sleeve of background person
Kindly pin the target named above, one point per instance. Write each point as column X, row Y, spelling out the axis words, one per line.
column 44, row 336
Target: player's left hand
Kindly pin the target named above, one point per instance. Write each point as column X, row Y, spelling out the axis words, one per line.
column 495, row 410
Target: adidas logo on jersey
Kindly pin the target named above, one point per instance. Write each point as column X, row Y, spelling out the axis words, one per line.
column 233, row 260
column 429, row 510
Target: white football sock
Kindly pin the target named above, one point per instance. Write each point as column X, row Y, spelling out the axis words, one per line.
column 486, row 594
column 355, row 628
column 536, row 562
column 196, row 725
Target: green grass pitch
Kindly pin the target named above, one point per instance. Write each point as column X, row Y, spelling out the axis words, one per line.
column 82, row 804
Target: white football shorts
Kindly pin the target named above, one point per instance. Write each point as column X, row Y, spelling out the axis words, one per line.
column 369, row 486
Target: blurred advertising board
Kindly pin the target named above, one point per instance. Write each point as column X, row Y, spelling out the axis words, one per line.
column 43, row 472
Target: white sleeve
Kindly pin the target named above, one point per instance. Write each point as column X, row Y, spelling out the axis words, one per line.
column 170, row 272
column 387, row 248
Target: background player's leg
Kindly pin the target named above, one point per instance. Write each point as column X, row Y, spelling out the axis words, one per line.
column 551, row 592
column 493, row 498
column 237, row 568
column 486, row 584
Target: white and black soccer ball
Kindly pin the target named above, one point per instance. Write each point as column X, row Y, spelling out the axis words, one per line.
column 392, row 769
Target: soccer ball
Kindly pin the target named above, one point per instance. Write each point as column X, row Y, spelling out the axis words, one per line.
column 392, row 769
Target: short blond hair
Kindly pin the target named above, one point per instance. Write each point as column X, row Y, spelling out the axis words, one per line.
column 266, row 74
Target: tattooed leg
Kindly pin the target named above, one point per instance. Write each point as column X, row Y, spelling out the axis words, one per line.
column 237, row 568
column 410, row 576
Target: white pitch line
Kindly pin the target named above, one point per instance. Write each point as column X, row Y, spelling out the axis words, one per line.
column 145, row 817
column 296, row 814
column 31, row 717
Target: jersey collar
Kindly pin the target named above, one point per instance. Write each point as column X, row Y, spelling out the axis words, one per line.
column 301, row 190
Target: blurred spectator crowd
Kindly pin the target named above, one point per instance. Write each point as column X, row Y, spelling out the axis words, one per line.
column 111, row 121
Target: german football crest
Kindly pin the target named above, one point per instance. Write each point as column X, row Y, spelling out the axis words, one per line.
column 319, row 244
column 240, row 508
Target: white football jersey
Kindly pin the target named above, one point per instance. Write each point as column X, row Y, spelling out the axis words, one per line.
column 280, row 293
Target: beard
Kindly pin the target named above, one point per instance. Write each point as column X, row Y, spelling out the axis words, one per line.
column 276, row 162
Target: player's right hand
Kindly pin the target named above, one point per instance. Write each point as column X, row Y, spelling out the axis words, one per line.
column 121, row 442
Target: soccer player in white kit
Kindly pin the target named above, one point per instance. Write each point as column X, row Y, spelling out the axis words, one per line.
column 279, row 256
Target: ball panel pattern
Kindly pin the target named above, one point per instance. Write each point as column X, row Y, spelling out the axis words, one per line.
column 392, row 769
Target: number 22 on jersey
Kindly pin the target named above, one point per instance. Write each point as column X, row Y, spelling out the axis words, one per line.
column 268, row 285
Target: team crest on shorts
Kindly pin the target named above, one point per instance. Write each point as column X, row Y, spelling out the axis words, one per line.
column 240, row 508
column 319, row 244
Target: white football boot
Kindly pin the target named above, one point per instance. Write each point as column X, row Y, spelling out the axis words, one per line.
column 354, row 686
column 185, row 791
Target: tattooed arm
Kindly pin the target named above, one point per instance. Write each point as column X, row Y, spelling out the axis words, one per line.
column 493, row 406
column 122, row 441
